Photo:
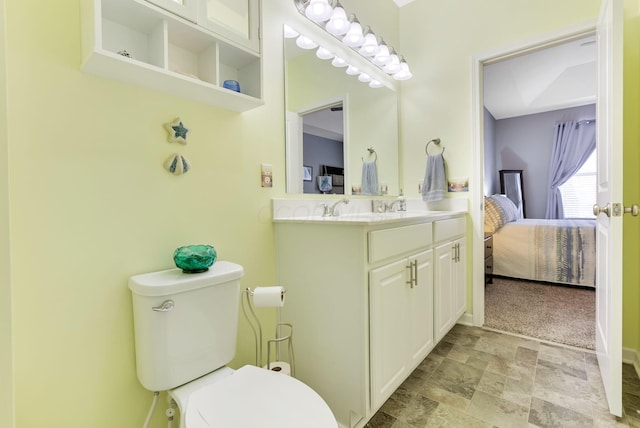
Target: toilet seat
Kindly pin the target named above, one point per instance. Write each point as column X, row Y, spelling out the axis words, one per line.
column 253, row 397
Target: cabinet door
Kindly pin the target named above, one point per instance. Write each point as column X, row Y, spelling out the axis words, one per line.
column 389, row 295
column 187, row 9
column 443, row 290
column 235, row 20
column 421, row 310
column 460, row 278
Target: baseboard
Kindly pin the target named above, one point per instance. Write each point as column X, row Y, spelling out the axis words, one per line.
column 466, row 319
column 631, row 356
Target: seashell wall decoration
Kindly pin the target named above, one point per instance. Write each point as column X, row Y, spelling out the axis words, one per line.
column 177, row 131
column 177, row 164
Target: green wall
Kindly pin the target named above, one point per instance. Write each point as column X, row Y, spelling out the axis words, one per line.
column 6, row 359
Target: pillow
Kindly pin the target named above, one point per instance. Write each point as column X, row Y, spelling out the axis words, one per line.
column 498, row 211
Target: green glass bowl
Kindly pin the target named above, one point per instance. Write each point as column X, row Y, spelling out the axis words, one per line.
column 195, row 258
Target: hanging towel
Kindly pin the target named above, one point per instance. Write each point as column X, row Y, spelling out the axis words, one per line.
column 435, row 183
column 369, row 178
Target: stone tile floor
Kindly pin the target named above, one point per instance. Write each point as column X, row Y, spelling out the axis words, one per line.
column 481, row 378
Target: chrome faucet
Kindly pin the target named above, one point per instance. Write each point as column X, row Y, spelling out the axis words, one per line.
column 330, row 211
column 390, row 207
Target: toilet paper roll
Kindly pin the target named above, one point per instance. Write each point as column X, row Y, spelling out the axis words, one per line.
column 268, row 297
column 280, row 367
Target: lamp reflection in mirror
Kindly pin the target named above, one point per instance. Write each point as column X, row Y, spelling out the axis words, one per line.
column 324, row 53
column 306, row 43
column 289, row 32
column 331, row 16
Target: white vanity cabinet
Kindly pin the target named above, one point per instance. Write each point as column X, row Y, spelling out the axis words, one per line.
column 450, row 284
column 401, row 321
column 163, row 45
column 361, row 300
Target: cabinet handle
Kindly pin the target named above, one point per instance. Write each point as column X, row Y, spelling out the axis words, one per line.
column 415, row 272
column 410, row 282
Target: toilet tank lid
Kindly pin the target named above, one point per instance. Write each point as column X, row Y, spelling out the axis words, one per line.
column 173, row 281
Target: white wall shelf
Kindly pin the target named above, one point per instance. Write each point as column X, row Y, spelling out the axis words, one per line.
column 167, row 53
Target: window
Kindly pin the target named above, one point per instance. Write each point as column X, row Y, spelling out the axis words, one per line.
column 579, row 192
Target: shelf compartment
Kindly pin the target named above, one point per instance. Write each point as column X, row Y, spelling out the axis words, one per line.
column 168, row 54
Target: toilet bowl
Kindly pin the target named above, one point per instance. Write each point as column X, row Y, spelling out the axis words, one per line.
column 185, row 333
column 251, row 397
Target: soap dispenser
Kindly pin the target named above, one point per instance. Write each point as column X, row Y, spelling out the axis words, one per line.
column 402, row 205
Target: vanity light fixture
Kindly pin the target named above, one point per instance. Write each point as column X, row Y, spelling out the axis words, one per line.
column 305, row 43
column 318, row 10
column 404, row 73
column 354, row 37
column 364, row 77
column 338, row 24
column 290, row 33
column 324, row 53
column 339, row 62
column 331, row 16
column 352, row 71
column 370, row 46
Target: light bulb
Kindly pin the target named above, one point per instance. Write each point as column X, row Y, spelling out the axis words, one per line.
column 364, row 77
column 338, row 24
column 382, row 57
column 324, row 53
column 318, row 10
column 404, row 73
column 352, row 71
column 370, row 46
column 290, row 33
column 354, row 36
column 339, row 62
column 393, row 66
column 306, row 43
column 375, row 84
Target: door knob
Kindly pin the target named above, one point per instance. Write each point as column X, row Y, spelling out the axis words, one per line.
column 633, row 210
column 597, row 210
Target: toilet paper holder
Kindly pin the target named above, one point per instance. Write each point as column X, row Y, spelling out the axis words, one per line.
column 279, row 339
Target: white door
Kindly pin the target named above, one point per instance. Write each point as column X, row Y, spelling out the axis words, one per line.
column 609, row 221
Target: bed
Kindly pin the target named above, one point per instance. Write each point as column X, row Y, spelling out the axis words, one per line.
column 558, row 251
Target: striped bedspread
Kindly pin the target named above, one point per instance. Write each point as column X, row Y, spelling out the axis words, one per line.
column 561, row 251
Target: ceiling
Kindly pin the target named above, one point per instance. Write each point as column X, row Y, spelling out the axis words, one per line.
column 558, row 77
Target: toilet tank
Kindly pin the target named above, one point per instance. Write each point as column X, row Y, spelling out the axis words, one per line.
column 185, row 324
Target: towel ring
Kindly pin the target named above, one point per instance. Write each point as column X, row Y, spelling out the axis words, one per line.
column 372, row 152
column 436, row 141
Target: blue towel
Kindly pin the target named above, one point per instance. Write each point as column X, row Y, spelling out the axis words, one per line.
column 435, row 182
column 369, row 179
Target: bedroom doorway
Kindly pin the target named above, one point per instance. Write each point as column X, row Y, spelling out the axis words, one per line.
column 609, row 172
column 544, row 270
column 506, row 109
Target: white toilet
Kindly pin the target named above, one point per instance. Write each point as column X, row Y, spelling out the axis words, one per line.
column 185, row 332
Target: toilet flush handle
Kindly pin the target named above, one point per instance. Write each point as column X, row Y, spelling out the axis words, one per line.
column 166, row 306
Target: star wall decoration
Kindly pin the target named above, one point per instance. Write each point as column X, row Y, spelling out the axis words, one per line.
column 177, row 131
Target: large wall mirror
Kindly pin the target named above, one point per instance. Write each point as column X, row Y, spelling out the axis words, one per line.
column 332, row 120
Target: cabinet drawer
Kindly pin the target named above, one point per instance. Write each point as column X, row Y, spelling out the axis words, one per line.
column 398, row 240
column 488, row 246
column 446, row 229
column 488, row 265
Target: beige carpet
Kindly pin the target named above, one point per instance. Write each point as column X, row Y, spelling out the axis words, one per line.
column 549, row 312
